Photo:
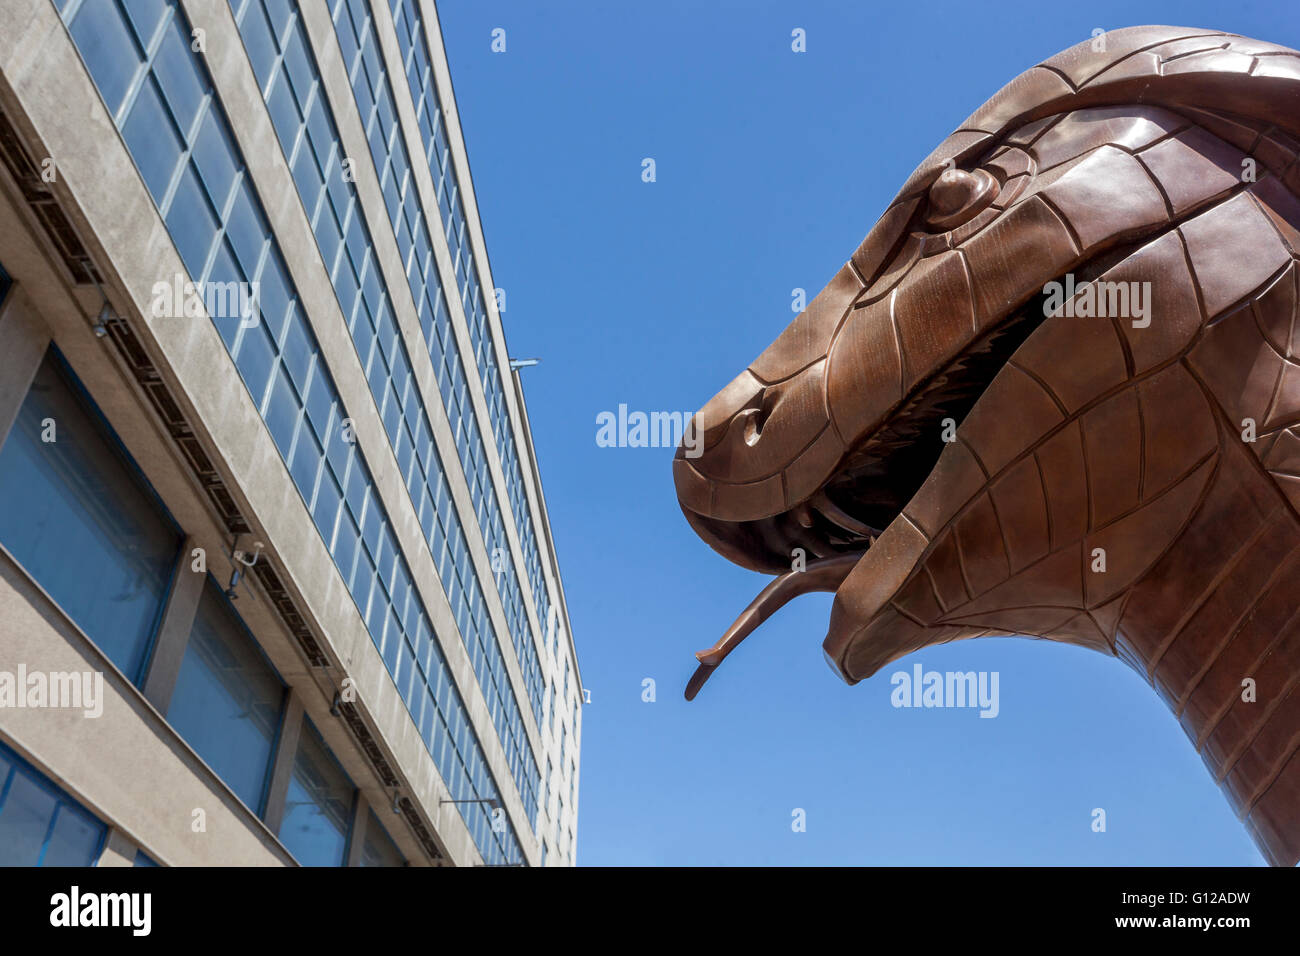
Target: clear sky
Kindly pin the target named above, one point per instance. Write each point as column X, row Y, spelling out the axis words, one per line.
column 771, row 167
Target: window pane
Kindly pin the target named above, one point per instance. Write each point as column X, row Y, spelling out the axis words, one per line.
column 320, row 401
column 108, row 49
column 299, row 69
column 328, row 498
column 152, row 140
column 279, row 13
column 319, row 804
column 29, row 806
column 345, row 546
column 24, row 821
column 306, row 464
column 297, row 351
column 146, row 14
column 308, row 179
column 227, row 699
column 328, row 236
column 75, row 839
column 378, row 848
column 320, row 130
column 179, row 75
column 282, row 412
column 246, row 229
column 273, row 293
column 284, row 112
column 225, row 270
column 258, row 42
column 214, row 155
column 254, row 361
column 191, row 222
column 78, row 495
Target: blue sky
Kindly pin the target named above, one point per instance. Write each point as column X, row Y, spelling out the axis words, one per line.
column 771, row 167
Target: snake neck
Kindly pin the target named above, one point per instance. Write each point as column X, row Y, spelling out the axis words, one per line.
column 1214, row 626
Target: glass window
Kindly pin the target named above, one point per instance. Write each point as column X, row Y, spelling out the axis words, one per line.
column 40, row 825
column 247, row 229
column 215, row 158
column 320, row 402
column 328, row 236
column 297, row 352
column 318, row 807
column 254, row 361
column 224, row 270
column 340, row 196
column 69, row 489
column 284, row 112
column 301, row 73
column 258, row 42
column 146, row 15
column 278, row 11
column 108, row 49
column 345, row 546
column 320, row 130
column 144, row 859
column 347, row 37
column 179, row 76
column 282, row 412
column 326, row 508
column 151, row 137
column 308, row 179
column 74, row 839
column 306, row 464
column 273, row 294
column 378, row 848
column 345, row 285
column 191, row 222
column 227, row 699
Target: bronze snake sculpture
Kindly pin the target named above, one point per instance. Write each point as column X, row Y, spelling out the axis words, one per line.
column 1056, row 393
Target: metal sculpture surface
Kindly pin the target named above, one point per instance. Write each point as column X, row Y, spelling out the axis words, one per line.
column 1056, row 393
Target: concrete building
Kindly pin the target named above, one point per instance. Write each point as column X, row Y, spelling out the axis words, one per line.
column 277, row 584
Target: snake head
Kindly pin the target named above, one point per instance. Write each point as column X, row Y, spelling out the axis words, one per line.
column 935, row 396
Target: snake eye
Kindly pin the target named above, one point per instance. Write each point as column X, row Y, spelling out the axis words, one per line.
column 958, row 196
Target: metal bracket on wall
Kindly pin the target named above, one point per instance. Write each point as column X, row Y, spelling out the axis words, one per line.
column 240, row 557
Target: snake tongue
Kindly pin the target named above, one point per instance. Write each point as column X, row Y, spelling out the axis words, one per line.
column 825, row 575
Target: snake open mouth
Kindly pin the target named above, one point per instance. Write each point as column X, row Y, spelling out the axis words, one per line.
column 838, row 524
column 813, row 546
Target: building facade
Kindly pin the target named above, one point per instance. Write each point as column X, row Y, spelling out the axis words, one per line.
column 277, row 584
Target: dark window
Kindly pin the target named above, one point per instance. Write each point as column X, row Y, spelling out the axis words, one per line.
column 40, row 825
column 378, row 849
column 228, row 699
column 68, row 489
column 318, row 807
